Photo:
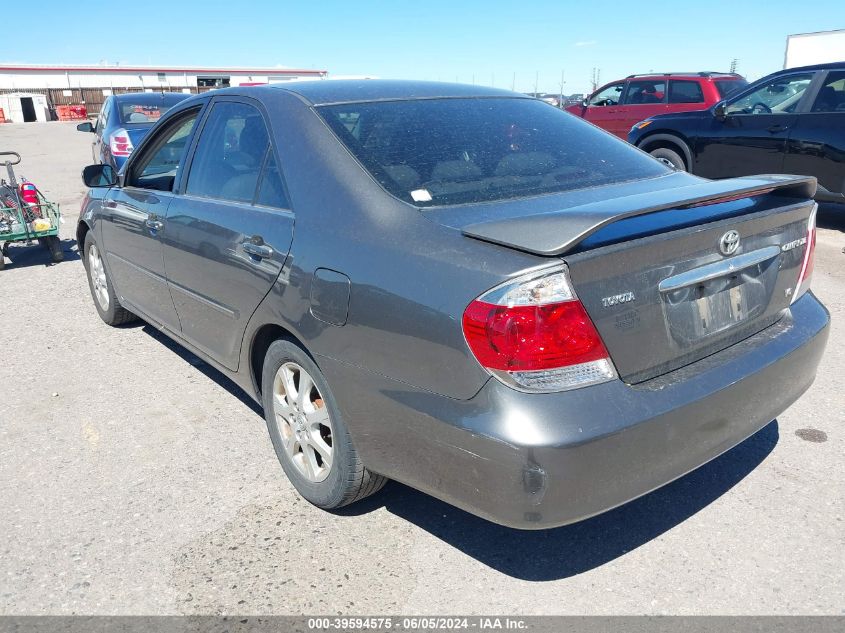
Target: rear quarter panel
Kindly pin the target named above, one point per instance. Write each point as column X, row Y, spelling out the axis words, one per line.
column 410, row 278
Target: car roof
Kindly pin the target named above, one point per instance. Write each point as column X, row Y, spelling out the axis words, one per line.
column 699, row 75
column 827, row 66
column 349, row 90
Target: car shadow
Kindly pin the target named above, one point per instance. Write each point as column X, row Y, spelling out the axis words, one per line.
column 21, row 255
column 574, row 549
column 831, row 216
column 207, row 370
column 553, row 554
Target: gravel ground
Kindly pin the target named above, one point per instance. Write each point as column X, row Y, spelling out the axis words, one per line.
column 135, row 479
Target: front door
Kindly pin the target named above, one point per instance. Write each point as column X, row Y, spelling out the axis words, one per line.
column 229, row 231
column 816, row 144
column 603, row 108
column 752, row 137
column 133, row 222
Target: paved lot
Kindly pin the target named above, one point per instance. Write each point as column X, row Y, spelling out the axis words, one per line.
column 136, row 479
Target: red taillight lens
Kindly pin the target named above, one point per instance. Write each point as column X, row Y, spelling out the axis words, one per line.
column 807, row 263
column 534, row 334
column 120, row 143
column 528, row 338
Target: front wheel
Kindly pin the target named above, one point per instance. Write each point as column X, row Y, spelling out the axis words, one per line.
column 102, row 290
column 308, row 433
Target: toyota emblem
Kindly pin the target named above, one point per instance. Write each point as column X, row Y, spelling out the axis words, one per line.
column 729, row 242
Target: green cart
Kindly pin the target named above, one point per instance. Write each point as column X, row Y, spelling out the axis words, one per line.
column 22, row 221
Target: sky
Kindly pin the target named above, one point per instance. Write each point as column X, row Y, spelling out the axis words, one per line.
column 506, row 44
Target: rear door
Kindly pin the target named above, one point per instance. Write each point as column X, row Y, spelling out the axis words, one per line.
column 132, row 221
column 603, row 108
column 752, row 138
column 229, row 230
column 643, row 98
column 685, row 95
column 816, row 145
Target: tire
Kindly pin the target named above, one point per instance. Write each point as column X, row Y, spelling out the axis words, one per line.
column 54, row 244
column 670, row 157
column 102, row 289
column 300, row 441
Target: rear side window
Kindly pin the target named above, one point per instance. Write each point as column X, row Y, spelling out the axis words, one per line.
column 831, row 97
column 685, row 92
column 271, row 191
column 452, row 151
column 727, row 87
column 645, row 91
column 229, row 154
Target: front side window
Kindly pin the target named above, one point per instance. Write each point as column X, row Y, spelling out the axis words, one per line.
column 831, row 97
column 685, row 92
column 778, row 96
column 645, row 92
column 157, row 167
column 229, row 154
column 452, row 151
column 608, row 96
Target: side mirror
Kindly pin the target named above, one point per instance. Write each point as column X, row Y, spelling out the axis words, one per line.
column 85, row 127
column 585, row 102
column 99, row 176
column 720, row 111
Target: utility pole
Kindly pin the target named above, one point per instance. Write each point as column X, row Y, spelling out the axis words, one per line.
column 562, row 81
column 513, row 82
column 734, row 64
column 536, row 81
column 596, row 78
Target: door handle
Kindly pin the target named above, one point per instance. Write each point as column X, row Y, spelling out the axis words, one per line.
column 778, row 128
column 154, row 225
column 258, row 249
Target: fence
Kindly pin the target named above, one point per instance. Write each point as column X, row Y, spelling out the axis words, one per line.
column 91, row 98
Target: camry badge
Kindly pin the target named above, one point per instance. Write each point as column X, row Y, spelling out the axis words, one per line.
column 613, row 300
column 729, row 242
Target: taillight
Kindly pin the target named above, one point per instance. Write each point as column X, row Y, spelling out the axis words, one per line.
column 120, row 143
column 809, row 255
column 29, row 194
column 534, row 334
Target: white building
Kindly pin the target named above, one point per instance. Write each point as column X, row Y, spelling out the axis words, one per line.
column 90, row 85
column 28, row 77
column 807, row 49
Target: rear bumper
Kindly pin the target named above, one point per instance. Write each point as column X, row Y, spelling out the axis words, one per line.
column 534, row 461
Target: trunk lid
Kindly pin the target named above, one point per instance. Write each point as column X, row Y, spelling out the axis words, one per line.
column 671, row 276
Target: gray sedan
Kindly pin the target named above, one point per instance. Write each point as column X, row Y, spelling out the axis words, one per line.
column 460, row 288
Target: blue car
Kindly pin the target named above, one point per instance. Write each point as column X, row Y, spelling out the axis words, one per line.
column 123, row 121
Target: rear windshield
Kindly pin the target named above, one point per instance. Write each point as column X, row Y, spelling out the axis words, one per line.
column 142, row 112
column 727, row 87
column 454, row 151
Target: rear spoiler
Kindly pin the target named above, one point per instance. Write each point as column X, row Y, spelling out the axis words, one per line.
column 559, row 232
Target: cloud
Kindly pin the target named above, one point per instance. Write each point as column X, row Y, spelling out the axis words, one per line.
column 586, row 43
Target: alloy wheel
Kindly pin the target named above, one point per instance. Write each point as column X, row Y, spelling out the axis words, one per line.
column 97, row 272
column 303, row 421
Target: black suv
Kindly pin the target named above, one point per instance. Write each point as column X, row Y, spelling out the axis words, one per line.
column 792, row 121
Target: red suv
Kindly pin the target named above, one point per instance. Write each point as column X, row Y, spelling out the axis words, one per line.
column 617, row 106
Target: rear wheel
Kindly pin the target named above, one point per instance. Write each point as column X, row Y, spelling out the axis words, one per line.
column 54, row 244
column 669, row 157
column 102, row 290
column 308, row 433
